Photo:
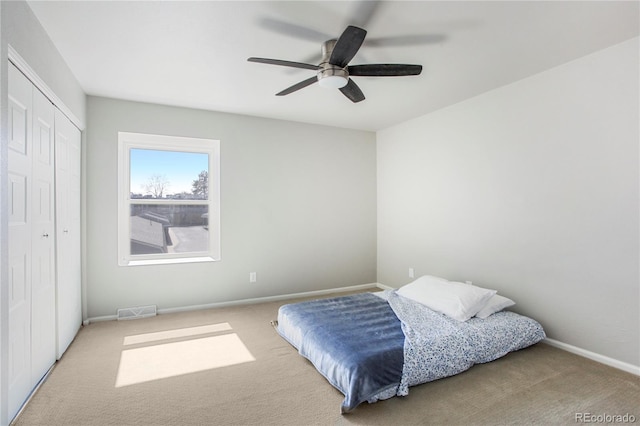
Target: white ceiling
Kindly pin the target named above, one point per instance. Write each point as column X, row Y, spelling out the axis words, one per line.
column 194, row 54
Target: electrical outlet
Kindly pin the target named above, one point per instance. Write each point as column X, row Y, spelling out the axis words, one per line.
column 411, row 273
column 252, row 277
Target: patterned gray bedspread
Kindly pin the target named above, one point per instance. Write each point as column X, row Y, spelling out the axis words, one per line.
column 437, row 346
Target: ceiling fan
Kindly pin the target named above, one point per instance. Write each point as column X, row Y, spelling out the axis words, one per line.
column 334, row 70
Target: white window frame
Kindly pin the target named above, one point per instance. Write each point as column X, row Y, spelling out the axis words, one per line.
column 128, row 141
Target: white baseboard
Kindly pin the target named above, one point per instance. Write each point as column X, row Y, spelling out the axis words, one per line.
column 629, row 368
column 251, row 301
column 384, row 287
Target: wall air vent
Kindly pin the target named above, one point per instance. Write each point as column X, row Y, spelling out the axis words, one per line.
column 137, row 312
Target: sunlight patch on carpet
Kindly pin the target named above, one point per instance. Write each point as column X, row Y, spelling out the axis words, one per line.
column 174, row 359
column 172, row 334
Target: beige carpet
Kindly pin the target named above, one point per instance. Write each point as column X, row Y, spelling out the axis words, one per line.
column 248, row 375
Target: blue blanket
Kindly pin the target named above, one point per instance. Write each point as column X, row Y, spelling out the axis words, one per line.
column 355, row 342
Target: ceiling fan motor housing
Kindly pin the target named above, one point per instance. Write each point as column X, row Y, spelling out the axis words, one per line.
column 329, row 75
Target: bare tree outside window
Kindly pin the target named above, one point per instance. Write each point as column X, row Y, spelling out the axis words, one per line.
column 156, row 186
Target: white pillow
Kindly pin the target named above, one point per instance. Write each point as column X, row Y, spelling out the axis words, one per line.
column 456, row 300
column 495, row 304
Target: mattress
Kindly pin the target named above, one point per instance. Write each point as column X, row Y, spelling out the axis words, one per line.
column 372, row 347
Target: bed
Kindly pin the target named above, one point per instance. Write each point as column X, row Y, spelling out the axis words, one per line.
column 373, row 346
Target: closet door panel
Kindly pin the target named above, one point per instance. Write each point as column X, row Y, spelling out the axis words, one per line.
column 19, row 241
column 67, row 154
column 43, row 286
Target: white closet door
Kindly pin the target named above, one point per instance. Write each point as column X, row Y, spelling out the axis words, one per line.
column 32, row 320
column 19, row 194
column 69, row 305
column 43, row 285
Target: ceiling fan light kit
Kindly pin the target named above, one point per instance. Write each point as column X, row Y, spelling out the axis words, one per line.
column 332, row 81
column 334, row 72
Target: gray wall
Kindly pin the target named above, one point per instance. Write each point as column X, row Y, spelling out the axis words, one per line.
column 298, row 206
column 531, row 189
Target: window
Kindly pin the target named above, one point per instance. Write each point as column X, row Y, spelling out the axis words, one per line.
column 168, row 199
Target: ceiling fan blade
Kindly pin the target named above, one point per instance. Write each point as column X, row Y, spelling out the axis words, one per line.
column 352, row 91
column 364, row 12
column 298, row 86
column 297, row 31
column 384, row 70
column 284, row 63
column 347, row 46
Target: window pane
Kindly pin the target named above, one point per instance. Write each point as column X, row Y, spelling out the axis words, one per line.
column 169, row 229
column 168, row 174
